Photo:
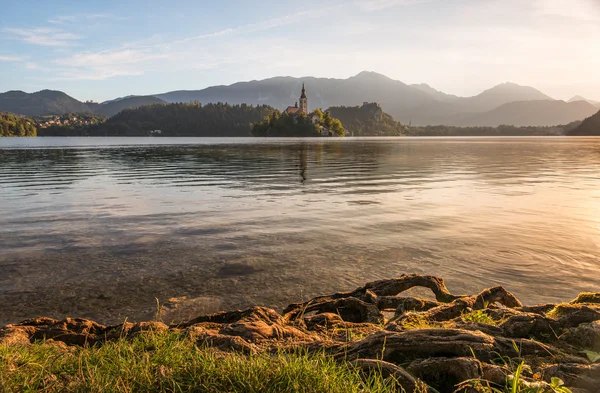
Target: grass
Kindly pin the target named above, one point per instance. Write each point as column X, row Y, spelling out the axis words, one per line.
column 560, row 310
column 418, row 321
column 171, row 362
column 516, row 384
column 478, row 316
column 587, row 297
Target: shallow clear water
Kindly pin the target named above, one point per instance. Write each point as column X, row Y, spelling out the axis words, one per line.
column 102, row 227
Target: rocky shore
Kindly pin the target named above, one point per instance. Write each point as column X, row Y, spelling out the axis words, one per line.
column 465, row 343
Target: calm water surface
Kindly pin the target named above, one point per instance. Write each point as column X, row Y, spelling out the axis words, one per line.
column 103, row 227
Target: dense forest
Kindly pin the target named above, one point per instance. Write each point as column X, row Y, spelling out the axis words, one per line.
column 193, row 119
column 13, row 125
column 367, row 120
column 223, row 120
column 590, row 126
column 317, row 123
column 491, row 131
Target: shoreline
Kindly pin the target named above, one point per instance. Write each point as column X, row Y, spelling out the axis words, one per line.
column 454, row 341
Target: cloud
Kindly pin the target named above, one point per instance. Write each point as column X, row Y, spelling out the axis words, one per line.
column 300, row 16
column 107, row 64
column 94, row 75
column 59, row 20
column 11, row 58
column 110, row 57
column 32, row 66
column 376, row 5
column 43, row 36
column 200, row 52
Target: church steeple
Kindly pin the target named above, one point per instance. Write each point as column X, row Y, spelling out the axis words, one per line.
column 303, row 101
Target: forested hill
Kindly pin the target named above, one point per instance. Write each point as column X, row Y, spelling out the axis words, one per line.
column 13, row 125
column 57, row 103
column 211, row 120
column 367, row 120
column 41, row 103
column 590, row 126
column 111, row 108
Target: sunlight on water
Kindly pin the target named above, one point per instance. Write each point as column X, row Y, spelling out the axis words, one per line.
column 103, row 227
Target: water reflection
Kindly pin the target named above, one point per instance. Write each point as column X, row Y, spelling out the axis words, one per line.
column 102, row 231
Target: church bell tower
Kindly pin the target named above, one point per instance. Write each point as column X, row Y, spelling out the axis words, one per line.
column 303, row 101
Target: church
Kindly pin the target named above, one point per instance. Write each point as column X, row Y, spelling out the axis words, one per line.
column 299, row 110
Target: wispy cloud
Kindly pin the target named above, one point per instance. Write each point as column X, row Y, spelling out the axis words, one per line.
column 63, row 19
column 199, row 52
column 106, row 64
column 11, row 58
column 261, row 26
column 42, row 36
column 32, row 66
column 376, row 5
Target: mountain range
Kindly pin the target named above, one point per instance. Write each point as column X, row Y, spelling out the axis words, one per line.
column 51, row 102
column 417, row 104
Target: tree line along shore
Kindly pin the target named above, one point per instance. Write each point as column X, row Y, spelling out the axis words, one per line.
column 376, row 338
column 225, row 120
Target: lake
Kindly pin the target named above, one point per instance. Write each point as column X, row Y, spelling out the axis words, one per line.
column 105, row 228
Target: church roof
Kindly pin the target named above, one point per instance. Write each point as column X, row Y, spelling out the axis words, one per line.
column 292, row 109
column 303, row 92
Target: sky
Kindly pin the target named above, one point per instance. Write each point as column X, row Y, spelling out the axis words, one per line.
column 100, row 50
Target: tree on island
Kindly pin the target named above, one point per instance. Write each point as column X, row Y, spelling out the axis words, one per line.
column 282, row 124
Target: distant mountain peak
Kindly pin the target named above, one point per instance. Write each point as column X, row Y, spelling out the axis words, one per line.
column 370, row 75
column 436, row 94
column 510, row 92
column 580, row 98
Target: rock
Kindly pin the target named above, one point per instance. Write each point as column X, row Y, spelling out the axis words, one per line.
column 572, row 316
column 541, row 309
column 254, row 324
column 494, row 374
column 220, row 341
column 71, row 331
column 530, row 325
column 402, row 305
column 474, row 326
column 585, row 336
column 78, row 331
column 350, row 309
column 324, row 320
column 406, row 346
column 444, row 374
column 578, row 376
column 567, row 372
column 11, row 335
column 587, row 297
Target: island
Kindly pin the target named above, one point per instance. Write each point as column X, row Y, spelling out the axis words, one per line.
column 296, row 121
